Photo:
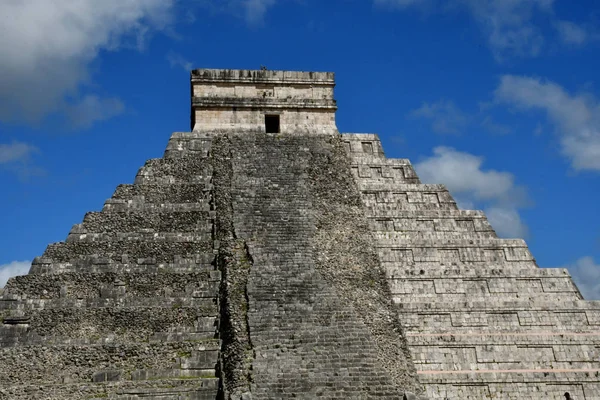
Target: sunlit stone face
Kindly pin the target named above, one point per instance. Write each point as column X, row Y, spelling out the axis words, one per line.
column 239, row 100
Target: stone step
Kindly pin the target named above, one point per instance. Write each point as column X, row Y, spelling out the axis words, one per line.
column 26, row 365
column 400, row 234
column 432, row 324
column 577, row 305
column 416, row 206
column 124, row 323
column 512, row 385
column 20, row 334
column 188, row 168
column 473, row 295
column 435, row 253
column 362, row 143
column 383, row 173
column 186, row 388
column 174, row 193
column 162, row 250
column 449, row 223
column 499, row 316
column 425, row 214
column 146, row 236
column 170, row 179
column 184, row 144
column 396, row 265
column 201, row 299
column 368, row 159
column 483, row 286
column 199, row 283
column 484, row 338
column 382, row 193
column 139, row 204
column 400, row 270
column 96, row 264
column 152, row 219
column 385, row 198
column 465, row 359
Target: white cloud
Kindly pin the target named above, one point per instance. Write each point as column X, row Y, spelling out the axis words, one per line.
column 586, row 274
column 177, row 60
column 48, row 45
column 575, row 117
column 493, row 127
column 571, row 33
column 464, row 177
column 507, row 221
column 256, row 9
column 508, row 24
column 445, row 116
column 91, row 109
column 13, row 269
column 16, row 152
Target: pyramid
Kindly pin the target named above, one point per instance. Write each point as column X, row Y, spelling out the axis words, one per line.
column 268, row 256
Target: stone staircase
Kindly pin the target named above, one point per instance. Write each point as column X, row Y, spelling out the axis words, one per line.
column 229, row 269
column 309, row 338
column 127, row 306
column 481, row 319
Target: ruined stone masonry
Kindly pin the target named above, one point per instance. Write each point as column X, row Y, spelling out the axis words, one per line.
column 267, row 256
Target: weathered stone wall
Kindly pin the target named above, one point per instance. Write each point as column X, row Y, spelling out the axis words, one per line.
column 292, row 120
column 229, row 269
column 127, row 307
column 310, row 335
column 273, row 89
column 237, row 101
column 481, row 319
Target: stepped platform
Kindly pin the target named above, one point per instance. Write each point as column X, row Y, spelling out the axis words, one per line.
column 266, row 256
column 482, row 320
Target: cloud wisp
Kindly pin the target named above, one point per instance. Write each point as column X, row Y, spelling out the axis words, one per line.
column 445, row 117
column 57, row 42
column 256, row 9
column 576, row 117
column 17, row 157
column 472, row 186
column 16, row 152
column 177, row 60
column 512, row 27
column 11, row 269
column 586, row 274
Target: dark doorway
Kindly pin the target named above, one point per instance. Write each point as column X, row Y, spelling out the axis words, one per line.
column 272, row 123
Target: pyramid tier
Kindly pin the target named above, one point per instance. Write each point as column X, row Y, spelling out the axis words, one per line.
column 118, row 283
column 524, row 384
column 184, row 388
column 148, row 220
column 100, row 264
column 38, row 364
column 161, row 195
column 160, row 249
column 482, row 320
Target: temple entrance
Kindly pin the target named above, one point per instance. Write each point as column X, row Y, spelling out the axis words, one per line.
column 272, row 123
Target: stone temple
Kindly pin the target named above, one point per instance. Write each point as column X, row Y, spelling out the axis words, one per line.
column 268, row 256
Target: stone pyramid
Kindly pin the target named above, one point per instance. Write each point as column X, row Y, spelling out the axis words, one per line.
column 267, row 256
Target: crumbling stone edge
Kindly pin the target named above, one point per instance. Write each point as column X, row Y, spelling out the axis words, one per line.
column 235, row 262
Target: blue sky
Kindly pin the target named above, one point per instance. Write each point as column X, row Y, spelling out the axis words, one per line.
column 497, row 99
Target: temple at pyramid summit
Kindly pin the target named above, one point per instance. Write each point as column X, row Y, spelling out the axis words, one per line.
column 266, row 255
